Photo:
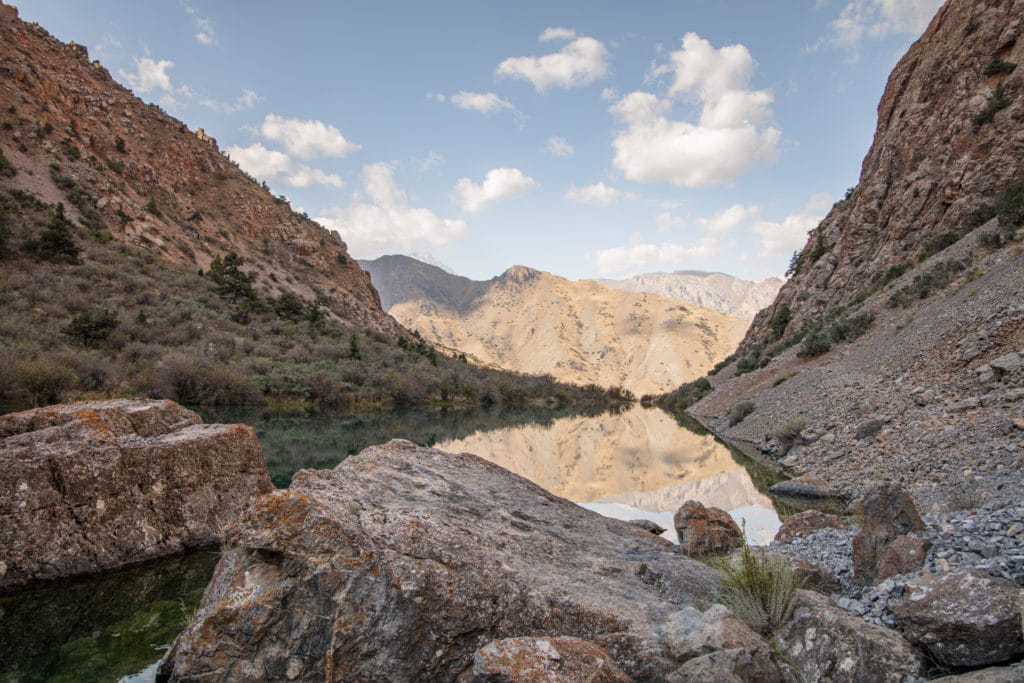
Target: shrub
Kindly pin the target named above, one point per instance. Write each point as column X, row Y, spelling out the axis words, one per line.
column 739, row 412
column 820, row 248
column 152, row 208
column 996, row 102
column 119, row 145
column 746, row 364
column 231, row 280
column 687, row 394
column 720, row 365
column 290, row 306
column 998, row 67
column 789, row 433
column 44, row 382
column 814, row 345
column 850, row 328
column 782, row 378
column 92, row 326
column 780, row 321
column 992, row 239
column 937, row 244
column 759, row 589
column 7, row 169
column 936, row 277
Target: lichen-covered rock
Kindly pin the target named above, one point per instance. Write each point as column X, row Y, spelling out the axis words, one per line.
column 717, row 631
column 706, row 531
column 889, row 513
column 824, row 643
column 543, row 660
column 905, row 554
column 403, row 561
column 806, row 523
column 962, row 618
column 91, row 486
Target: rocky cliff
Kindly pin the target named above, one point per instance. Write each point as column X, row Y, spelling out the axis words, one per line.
column 73, row 135
column 720, row 292
column 577, row 331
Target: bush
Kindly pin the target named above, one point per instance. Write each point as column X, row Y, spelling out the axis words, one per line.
column 814, row 345
column 92, row 326
column 789, row 433
column 936, row 277
column 996, row 102
column 7, row 169
column 44, row 382
column 780, row 320
column 739, row 412
column 850, row 328
column 759, row 589
column 998, row 67
column 937, row 244
column 782, row 378
column 746, row 364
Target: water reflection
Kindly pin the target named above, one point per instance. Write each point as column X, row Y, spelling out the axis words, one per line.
column 635, row 463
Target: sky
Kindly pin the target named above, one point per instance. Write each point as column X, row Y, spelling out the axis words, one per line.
column 594, row 138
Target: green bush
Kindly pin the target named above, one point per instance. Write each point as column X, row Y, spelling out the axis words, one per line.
column 995, row 103
column 780, row 321
column 759, row 589
column 848, row 328
column 937, row 244
column 814, row 345
column 747, row 363
column 739, row 412
column 936, row 277
column 782, row 378
column 89, row 327
column 789, row 433
column 43, row 381
column 998, row 67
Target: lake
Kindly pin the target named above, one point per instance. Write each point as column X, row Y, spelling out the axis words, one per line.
column 632, row 463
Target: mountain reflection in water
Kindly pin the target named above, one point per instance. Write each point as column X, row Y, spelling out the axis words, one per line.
column 638, row 463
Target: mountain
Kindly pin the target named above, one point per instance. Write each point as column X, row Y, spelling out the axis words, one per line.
column 137, row 259
column 895, row 350
column 583, row 332
column 717, row 291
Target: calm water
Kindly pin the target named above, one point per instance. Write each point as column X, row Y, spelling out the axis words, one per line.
column 626, row 464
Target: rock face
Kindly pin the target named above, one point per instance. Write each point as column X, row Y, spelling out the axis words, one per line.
column 717, row 291
column 881, row 547
column 706, row 531
column 403, row 562
column 91, row 486
column 963, row 618
column 543, row 660
column 824, row 643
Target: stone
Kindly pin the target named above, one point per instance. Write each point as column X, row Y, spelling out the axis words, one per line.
column 804, row 488
column 404, row 561
column 905, row 554
column 1006, row 364
column 868, row 430
column 995, row 674
column 648, row 525
column 816, row 577
column 962, row 618
column 889, row 513
column 93, row 486
column 822, row 642
column 542, row 660
column 806, row 523
column 706, row 531
column 725, row 666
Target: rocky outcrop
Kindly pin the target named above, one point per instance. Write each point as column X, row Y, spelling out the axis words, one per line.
column 717, row 291
column 881, row 548
column 92, row 486
column 706, row 531
column 963, row 618
column 403, row 562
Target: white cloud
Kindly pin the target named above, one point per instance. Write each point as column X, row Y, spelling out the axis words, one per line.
column 598, row 193
column 247, row 100
column 863, row 20
column 559, row 147
column 609, row 94
column 149, row 75
column 205, row 33
column 785, row 237
column 498, row 184
column 485, row 103
column 557, row 33
column 731, row 218
column 581, row 62
column 730, row 136
column 267, row 164
column 388, row 224
column 307, row 139
column 644, row 256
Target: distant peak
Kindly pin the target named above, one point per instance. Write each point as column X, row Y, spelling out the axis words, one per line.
column 520, row 274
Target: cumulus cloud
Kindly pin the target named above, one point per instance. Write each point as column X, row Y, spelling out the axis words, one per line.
column 267, row 165
column 307, row 139
column 153, row 76
column 247, row 100
column 645, row 256
column 559, row 147
column 205, row 33
column 784, row 237
column 485, row 103
column 730, row 137
column 731, row 218
column 389, row 223
column 581, row 62
column 149, row 75
column 599, row 193
column 861, row 20
column 498, row 184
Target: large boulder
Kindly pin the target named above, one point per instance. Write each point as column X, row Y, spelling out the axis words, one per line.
column 805, row 524
column 825, row 643
column 542, row 660
column 93, row 486
column 889, row 514
column 962, row 618
column 403, row 562
column 706, row 531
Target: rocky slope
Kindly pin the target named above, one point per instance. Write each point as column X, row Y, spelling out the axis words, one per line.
column 94, row 486
column 74, row 135
column 717, row 291
column 893, row 354
column 530, row 321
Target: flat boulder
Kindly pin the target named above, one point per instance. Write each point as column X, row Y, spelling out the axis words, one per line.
column 804, row 488
column 962, row 618
column 706, row 531
column 403, row 563
column 93, row 486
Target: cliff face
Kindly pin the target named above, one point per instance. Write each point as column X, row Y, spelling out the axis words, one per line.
column 935, row 158
column 717, row 291
column 131, row 171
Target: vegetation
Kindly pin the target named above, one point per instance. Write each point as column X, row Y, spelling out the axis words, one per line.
column 789, row 433
column 937, row 244
column 780, row 321
column 740, row 411
column 814, row 345
column 999, row 67
column 759, row 589
column 1008, row 207
column 177, row 334
column 685, row 396
column 996, row 102
column 935, row 278
column 7, row 169
column 783, row 377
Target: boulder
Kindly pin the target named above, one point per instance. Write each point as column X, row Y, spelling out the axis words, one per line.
column 803, row 488
column 889, row 513
column 995, row 674
column 648, row 525
column 716, row 632
column 816, row 577
column 543, row 660
column 904, row 555
column 962, row 618
column 725, row 666
column 706, row 531
column 806, row 523
column 402, row 562
column 824, row 643
column 93, row 486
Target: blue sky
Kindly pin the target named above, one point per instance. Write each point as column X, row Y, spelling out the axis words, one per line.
column 590, row 138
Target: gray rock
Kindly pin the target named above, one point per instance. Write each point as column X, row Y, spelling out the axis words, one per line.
column 1003, row 365
column 648, row 525
column 552, row 660
column 94, row 486
column 999, row 674
column 726, row 666
column 802, row 488
column 403, row 561
column 963, row 618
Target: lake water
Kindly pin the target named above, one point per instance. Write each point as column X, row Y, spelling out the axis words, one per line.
column 629, row 464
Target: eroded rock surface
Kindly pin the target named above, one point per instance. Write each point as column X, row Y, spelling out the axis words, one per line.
column 97, row 485
column 403, row 561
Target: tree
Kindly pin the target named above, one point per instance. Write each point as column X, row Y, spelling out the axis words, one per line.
column 89, row 327
column 56, row 243
column 231, row 280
